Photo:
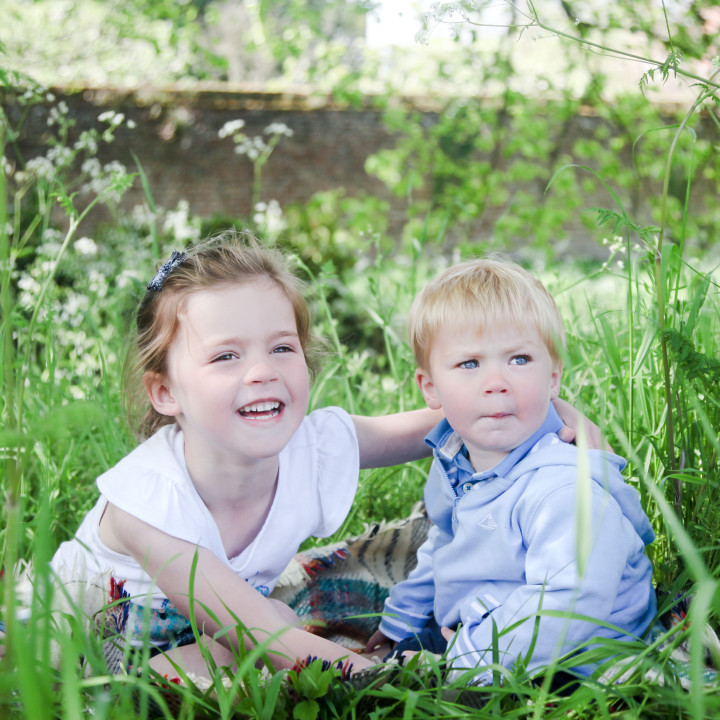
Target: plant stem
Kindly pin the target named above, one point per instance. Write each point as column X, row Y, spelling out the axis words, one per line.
column 660, row 294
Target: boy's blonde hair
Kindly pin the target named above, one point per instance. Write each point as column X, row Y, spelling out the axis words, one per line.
column 225, row 260
column 478, row 292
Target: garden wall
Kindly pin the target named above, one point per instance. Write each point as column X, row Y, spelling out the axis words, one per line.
column 176, row 139
column 175, row 136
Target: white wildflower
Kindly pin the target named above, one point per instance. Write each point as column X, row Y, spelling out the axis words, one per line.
column 269, row 217
column 231, row 127
column 57, row 113
column 92, row 167
column 41, row 167
column 97, row 283
column 60, row 156
column 87, row 141
column 389, row 386
column 127, row 277
column 85, row 246
column 252, row 148
column 143, row 217
column 278, row 129
column 102, row 117
column 179, row 224
column 29, row 284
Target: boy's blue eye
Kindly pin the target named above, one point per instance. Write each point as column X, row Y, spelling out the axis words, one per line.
column 224, row 356
column 468, row 364
column 520, row 360
column 283, row 349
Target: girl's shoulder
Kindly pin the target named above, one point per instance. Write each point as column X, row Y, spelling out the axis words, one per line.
column 329, row 424
column 151, row 473
column 162, row 453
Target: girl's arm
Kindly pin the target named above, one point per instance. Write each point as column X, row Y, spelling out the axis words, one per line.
column 226, row 596
column 394, row 439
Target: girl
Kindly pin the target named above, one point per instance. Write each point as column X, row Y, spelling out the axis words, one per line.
column 234, row 475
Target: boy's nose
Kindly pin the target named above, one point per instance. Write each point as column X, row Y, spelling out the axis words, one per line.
column 494, row 383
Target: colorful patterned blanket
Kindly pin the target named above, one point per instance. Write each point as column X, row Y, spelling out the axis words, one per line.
column 339, row 590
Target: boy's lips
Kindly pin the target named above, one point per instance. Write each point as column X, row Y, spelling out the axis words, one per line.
column 261, row 410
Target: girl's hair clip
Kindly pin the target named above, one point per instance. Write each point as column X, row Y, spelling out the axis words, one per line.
column 175, row 259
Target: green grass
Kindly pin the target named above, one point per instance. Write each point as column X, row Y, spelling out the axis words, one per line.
column 613, row 372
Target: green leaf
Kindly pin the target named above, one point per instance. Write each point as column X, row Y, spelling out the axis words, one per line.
column 306, row 710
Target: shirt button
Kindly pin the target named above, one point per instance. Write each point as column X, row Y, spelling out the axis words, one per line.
column 468, row 486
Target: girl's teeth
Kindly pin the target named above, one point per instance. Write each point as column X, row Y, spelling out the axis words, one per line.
column 271, row 408
column 261, row 407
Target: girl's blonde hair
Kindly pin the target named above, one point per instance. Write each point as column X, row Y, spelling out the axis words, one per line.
column 479, row 292
column 226, row 259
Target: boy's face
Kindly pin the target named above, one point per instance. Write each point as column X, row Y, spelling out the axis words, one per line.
column 494, row 387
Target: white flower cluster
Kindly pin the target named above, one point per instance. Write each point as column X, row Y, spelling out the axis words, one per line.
column 269, row 218
column 254, row 148
column 105, row 180
column 180, row 225
column 231, row 128
column 280, row 129
column 251, row 147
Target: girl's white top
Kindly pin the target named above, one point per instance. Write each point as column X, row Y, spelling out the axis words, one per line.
column 316, row 485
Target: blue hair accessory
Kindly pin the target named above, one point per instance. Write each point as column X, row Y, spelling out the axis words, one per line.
column 157, row 282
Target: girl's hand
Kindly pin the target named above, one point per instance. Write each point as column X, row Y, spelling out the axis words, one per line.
column 573, row 419
column 448, row 634
column 378, row 644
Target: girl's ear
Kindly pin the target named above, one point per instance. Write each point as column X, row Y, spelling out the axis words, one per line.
column 427, row 388
column 161, row 397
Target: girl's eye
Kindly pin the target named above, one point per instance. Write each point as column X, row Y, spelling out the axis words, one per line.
column 468, row 364
column 520, row 360
column 284, row 349
column 223, row 357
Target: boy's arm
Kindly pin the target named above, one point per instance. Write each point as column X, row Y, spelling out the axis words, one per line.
column 553, row 585
column 410, row 604
column 394, row 439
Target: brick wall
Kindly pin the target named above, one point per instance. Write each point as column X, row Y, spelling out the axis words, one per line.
column 176, row 139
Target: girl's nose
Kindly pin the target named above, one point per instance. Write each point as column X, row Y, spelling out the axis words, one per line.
column 260, row 371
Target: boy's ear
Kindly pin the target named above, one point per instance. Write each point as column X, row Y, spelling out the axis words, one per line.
column 160, row 394
column 555, row 379
column 427, row 388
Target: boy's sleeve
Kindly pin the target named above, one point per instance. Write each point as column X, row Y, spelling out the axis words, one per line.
column 410, row 604
column 553, row 583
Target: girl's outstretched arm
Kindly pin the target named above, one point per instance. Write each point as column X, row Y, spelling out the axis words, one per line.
column 394, row 439
column 221, row 598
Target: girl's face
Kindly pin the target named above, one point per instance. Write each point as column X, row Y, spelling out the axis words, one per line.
column 237, row 381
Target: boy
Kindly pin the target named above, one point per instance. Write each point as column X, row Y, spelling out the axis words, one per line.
column 503, row 491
